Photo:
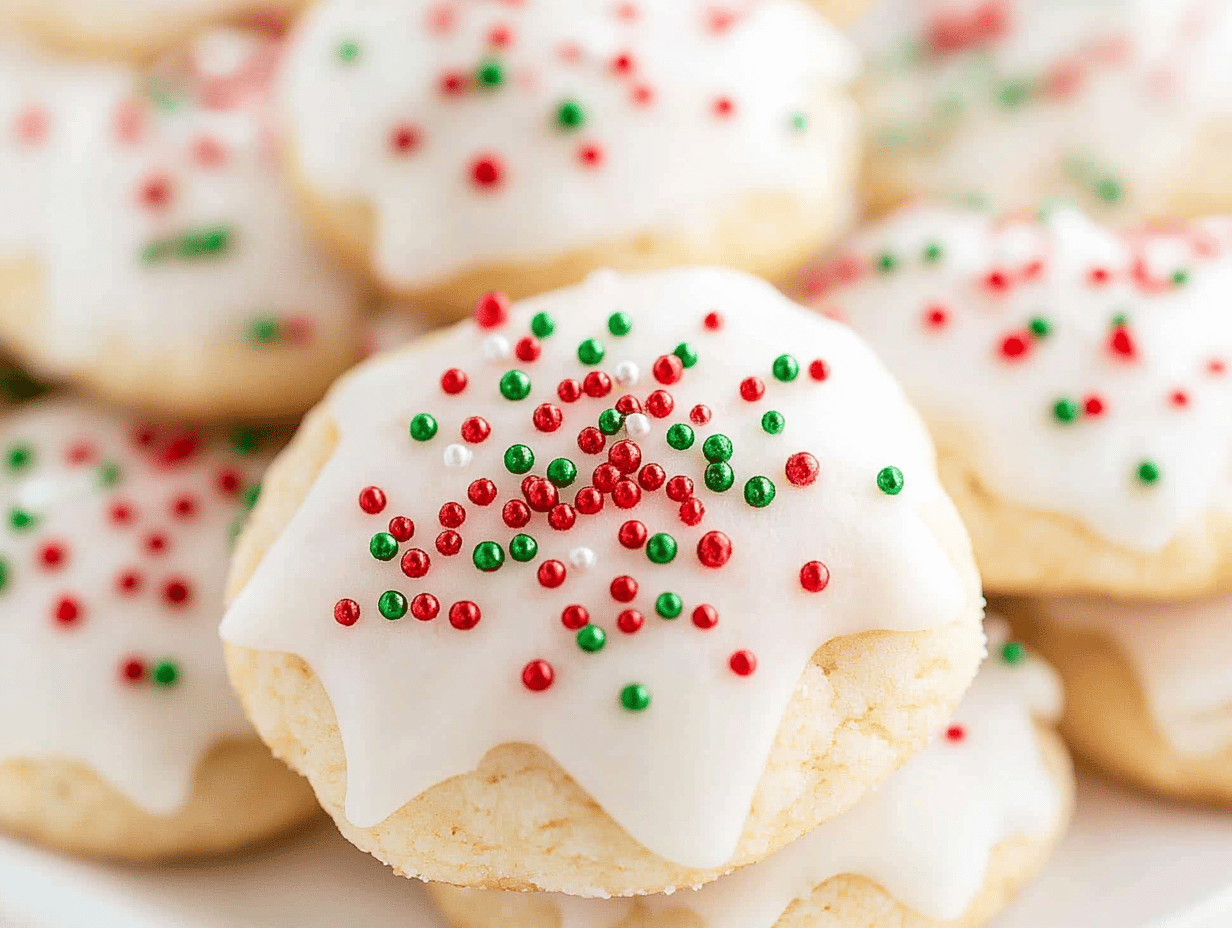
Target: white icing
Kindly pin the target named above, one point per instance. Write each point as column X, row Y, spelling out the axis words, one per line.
column 420, row 702
column 671, row 163
column 76, row 205
column 62, row 693
column 1178, row 653
column 925, row 835
column 1103, row 76
column 1001, row 410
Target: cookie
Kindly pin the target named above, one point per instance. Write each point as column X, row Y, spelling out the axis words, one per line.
column 1149, row 688
column 987, row 802
column 1076, row 381
column 119, row 735
column 149, row 250
column 135, row 30
column 452, row 149
column 607, row 593
column 1010, row 103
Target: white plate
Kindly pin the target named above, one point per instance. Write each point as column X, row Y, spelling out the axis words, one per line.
column 1129, row 862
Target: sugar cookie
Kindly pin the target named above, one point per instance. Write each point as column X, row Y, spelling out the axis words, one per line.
column 1077, row 384
column 458, row 148
column 694, row 588
column 1149, row 687
column 1013, row 102
column 149, row 251
column 948, row 839
column 119, row 736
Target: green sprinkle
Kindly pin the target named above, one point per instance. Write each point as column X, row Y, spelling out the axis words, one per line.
column 245, row 441
column 635, row 697
column 680, row 437
column 933, row 252
column 252, row 493
column 392, row 605
column 1120, row 320
column 264, row 330
column 1013, row 652
column 488, row 556
column 1065, row 410
column 717, row 447
column 1040, row 327
column 720, row 477
column 515, row 385
column 591, row 638
column 886, row 263
column 610, row 421
column 773, row 422
column 620, row 324
column 490, row 74
column 109, row 474
column 519, row 459
column 1014, row 93
column 661, row 548
column 571, row 115
column 786, row 368
column 542, row 325
column 799, row 122
column 383, row 546
column 759, row 492
column 204, row 243
column 523, row 548
column 686, row 353
column 348, row 51
column 1110, row 190
column 890, row 481
column 4, row 573
column 19, row 457
column 1149, row 472
column 423, row 427
column 591, row 351
column 167, row 673
column 669, row 605
column 562, row 472
column 1180, row 278
column 22, row 519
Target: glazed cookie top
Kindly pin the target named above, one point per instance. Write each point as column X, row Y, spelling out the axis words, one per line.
column 615, row 523
column 1010, row 101
column 925, row 835
column 1075, row 370
column 112, row 569
column 154, row 206
column 483, row 131
column 1176, row 651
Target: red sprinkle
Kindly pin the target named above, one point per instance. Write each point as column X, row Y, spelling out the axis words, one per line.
column 156, row 543
column 575, row 616
column 679, row 488
column 177, row 592
column 936, row 317
column 629, row 621
column 1122, row 342
column 371, row 500
column 743, row 663
column 628, row 404
column 515, row 514
column 528, row 349
column 487, row 171
column 453, row 381
column 425, row 607
column 814, row 576
column 481, row 492
column 53, row 555
column 588, row 501
column 668, row 369
column 819, row 370
column 651, row 477
column 699, row 414
column 228, row 481
column 128, row 581
column 452, row 515
column 155, row 191
column 132, row 669
column 537, row 676
column 997, row 280
column 1093, row 406
column 1098, row 276
column 714, row 549
column 624, row 589
column 404, row 138
column 1015, row 345
column 475, row 429
column 1179, row 398
column 402, row 528
column 692, row 511
column 625, row 455
column 705, row 616
column 569, row 390
column 464, row 615
column 547, row 418
column 724, row 107
column 626, row 494
column 449, row 543
column 660, row 404
column 346, row 612
column 632, row 534
column 66, row 611
column 597, row 384
column 713, row 321
column 590, row 154
column 802, row 469
column 752, row 389
column 416, row 563
column 122, row 513
column 562, row 517
column 492, row 310
column 551, row 574
column 955, row 733
column 591, row 440
column 605, row 477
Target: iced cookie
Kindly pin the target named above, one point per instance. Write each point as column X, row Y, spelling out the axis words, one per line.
column 136, row 29
column 119, row 735
column 1123, row 106
column 1149, row 687
column 1077, row 384
column 947, row 840
column 455, row 148
column 149, row 250
column 605, row 594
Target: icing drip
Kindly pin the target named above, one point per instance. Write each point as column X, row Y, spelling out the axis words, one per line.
column 659, row 622
column 112, row 567
column 485, row 131
column 152, row 202
column 1014, row 101
column 925, row 835
column 1079, row 371
column 1174, row 649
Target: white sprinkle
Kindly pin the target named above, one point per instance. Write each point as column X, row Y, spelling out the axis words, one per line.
column 496, row 348
column 457, row 456
column 637, row 425
column 582, row 558
column 627, row 373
